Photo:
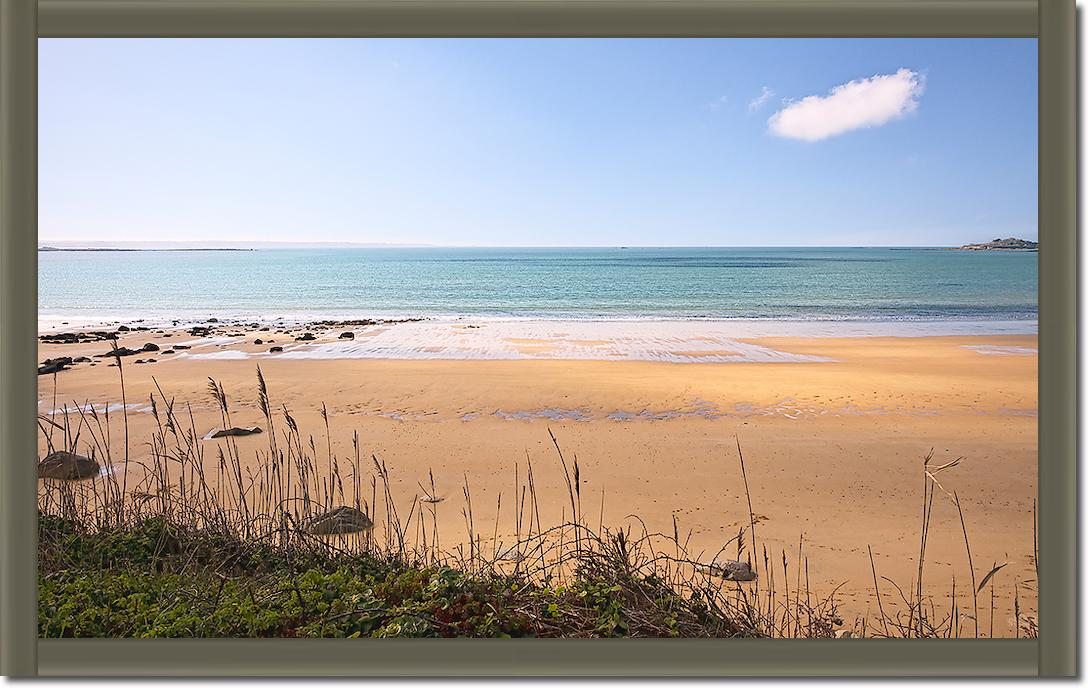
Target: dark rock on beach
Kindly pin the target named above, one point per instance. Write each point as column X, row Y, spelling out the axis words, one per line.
column 234, row 432
column 275, row 350
column 62, row 465
column 258, row 341
column 76, row 337
column 342, row 519
column 150, row 347
column 118, row 352
column 305, row 337
column 347, row 335
column 54, row 365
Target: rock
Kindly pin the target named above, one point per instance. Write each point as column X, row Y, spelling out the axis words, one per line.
column 62, row 465
column 733, row 570
column 234, row 432
column 347, row 335
column 213, row 320
column 82, row 359
column 179, row 347
column 306, row 337
column 258, row 341
column 54, row 365
column 342, row 519
column 275, row 350
column 167, row 352
column 76, row 337
column 139, row 360
column 123, row 328
column 149, row 347
column 118, row 352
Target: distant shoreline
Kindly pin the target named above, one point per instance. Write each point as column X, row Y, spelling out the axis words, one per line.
column 54, row 249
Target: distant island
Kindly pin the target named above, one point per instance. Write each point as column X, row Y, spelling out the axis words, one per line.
column 61, row 248
column 1009, row 244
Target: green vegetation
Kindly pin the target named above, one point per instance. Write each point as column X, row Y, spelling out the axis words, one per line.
column 155, row 579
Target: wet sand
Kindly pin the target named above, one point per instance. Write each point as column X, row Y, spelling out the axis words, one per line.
column 833, row 435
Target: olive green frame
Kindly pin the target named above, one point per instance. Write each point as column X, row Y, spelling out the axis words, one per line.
column 1052, row 21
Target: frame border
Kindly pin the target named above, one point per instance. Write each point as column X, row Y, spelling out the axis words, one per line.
column 1052, row 21
column 18, row 340
column 430, row 18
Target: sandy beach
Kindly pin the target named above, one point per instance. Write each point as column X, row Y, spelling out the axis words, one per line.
column 834, row 431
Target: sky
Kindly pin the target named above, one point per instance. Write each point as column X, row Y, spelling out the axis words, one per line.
column 539, row 142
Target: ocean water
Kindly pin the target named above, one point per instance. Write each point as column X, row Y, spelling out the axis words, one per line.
column 982, row 291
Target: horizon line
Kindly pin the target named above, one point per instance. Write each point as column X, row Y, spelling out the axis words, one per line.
column 100, row 244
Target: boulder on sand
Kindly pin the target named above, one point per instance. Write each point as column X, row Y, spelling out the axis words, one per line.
column 118, row 352
column 275, row 350
column 62, row 465
column 306, row 337
column 150, row 347
column 347, row 335
column 54, row 365
column 733, row 570
column 342, row 519
column 234, row 432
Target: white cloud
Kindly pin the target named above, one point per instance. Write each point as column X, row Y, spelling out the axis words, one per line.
column 859, row 104
column 760, row 100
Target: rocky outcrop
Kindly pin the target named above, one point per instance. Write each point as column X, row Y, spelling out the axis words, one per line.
column 1009, row 244
column 77, row 337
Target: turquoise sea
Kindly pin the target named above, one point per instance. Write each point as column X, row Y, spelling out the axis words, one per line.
column 788, row 284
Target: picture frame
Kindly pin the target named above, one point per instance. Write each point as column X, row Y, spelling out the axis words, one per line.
column 1053, row 654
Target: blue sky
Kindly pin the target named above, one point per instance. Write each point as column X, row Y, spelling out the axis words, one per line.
column 539, row 142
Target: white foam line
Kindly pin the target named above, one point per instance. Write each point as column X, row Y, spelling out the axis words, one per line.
column 674, row 342
column 995, row 350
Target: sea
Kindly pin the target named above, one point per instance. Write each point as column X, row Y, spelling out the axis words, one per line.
column 777, row 284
